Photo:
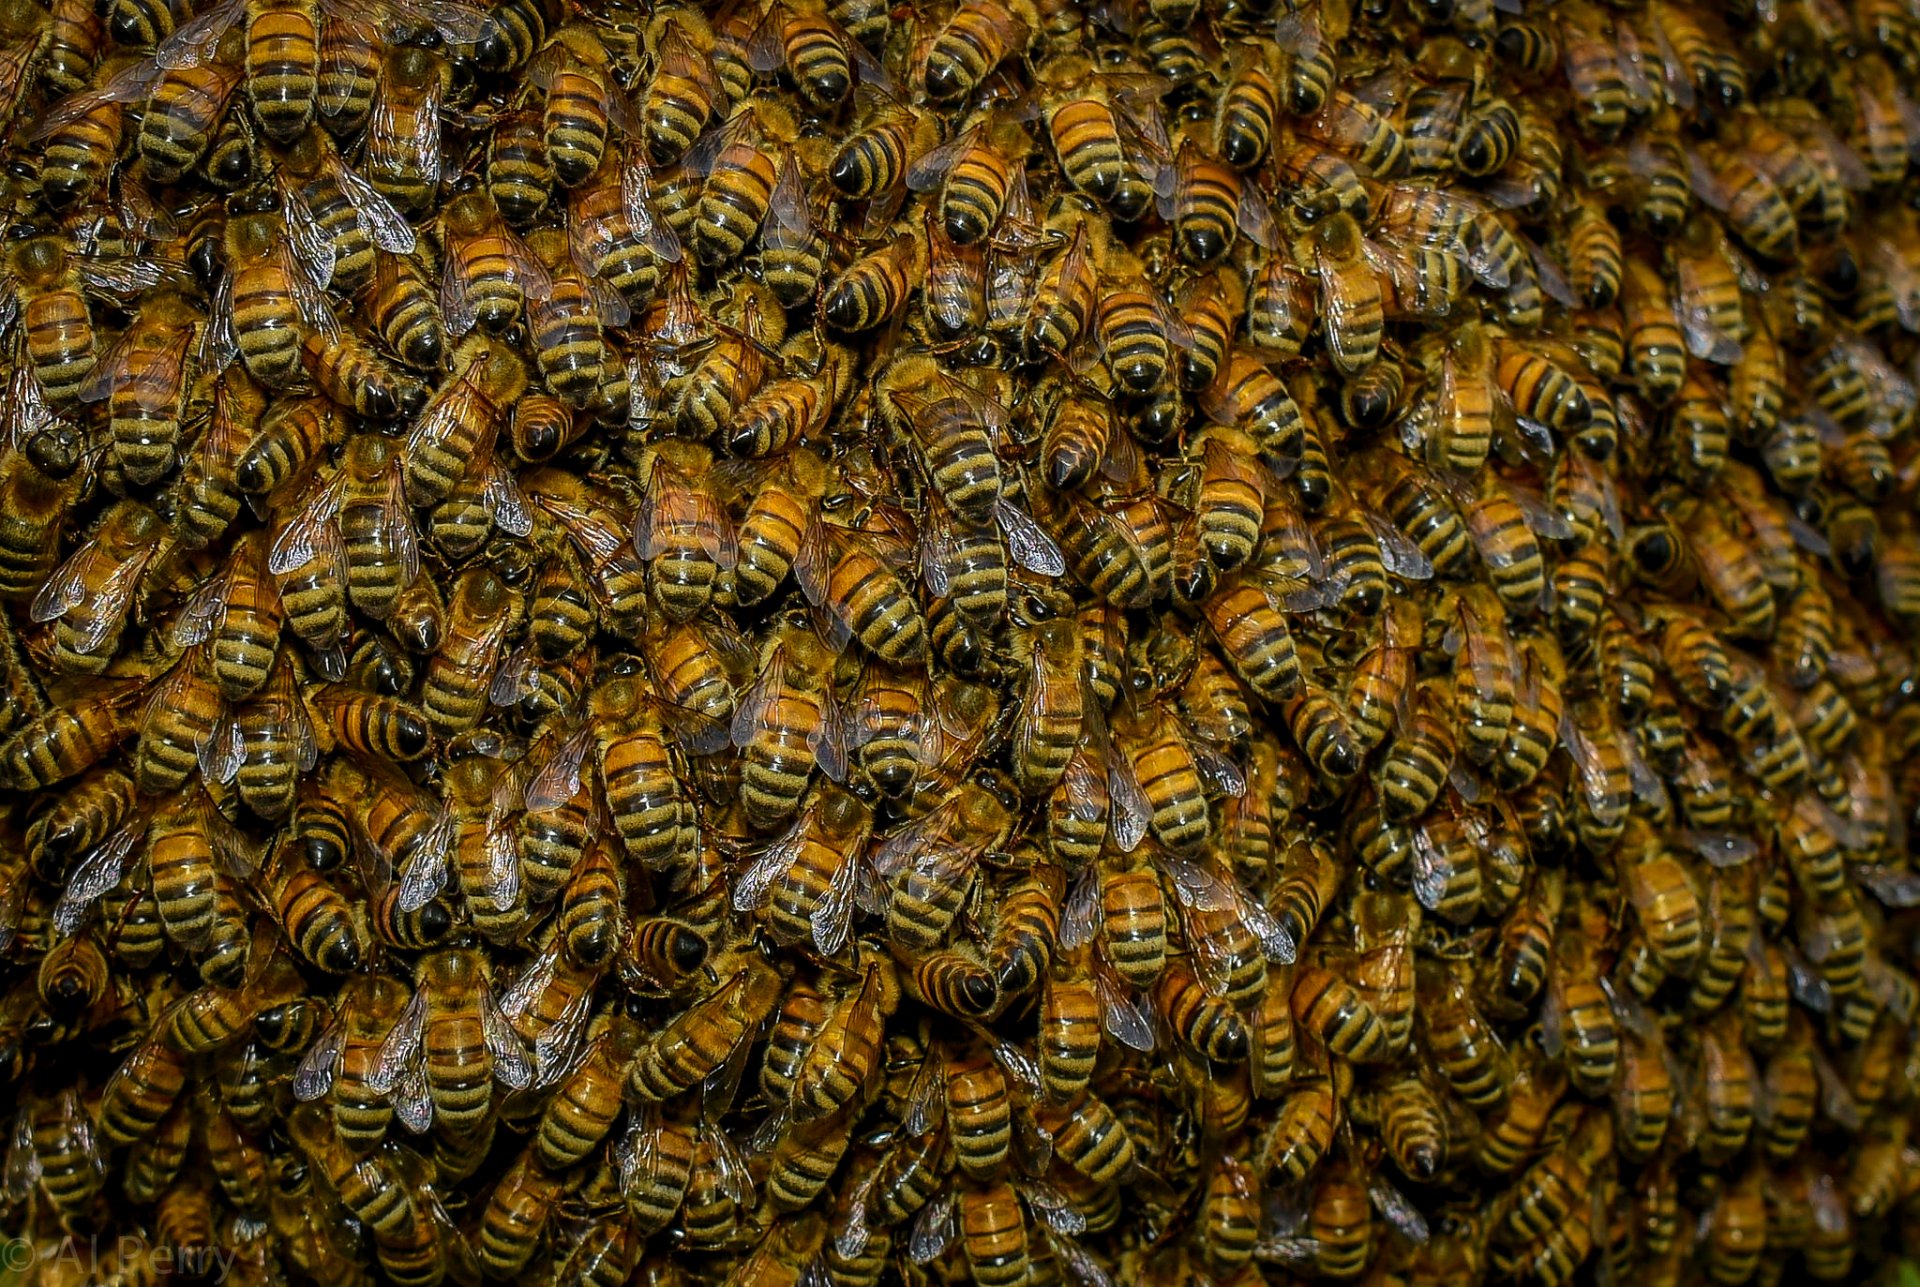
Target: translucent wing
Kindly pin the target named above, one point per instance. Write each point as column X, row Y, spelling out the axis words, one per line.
column 385, row 226
column 98, row 872
column 760, row 698
column 402, row 1044
column 66, row 589
column 558, row 780
column 1080, row 916
column 511, row 1067
column 427, row 866
column 933, row 1230
column 194, row 42
column 321, row 1063
column 833, row 915
column 751, row 890
column 1031, row 547
column 311, row 534
column 1127, row 1020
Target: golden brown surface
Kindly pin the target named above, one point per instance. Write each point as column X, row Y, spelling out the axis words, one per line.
column 1015, row 642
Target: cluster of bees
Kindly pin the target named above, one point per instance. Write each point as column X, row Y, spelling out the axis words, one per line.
column 1008, row 641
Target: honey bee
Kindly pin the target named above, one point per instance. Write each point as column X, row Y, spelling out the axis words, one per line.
column 447, row 1046
column 56, row 323
column 976, row 175
column 263, row 305
column 971, row 44
column 89, row 595
column 805, row 881
column 741, row 174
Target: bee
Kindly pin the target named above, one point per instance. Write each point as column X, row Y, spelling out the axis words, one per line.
column 873, row 288
column 681, row 529
column 1582, row 1029
column 447, row 1046
column 54, row 1149
column 263, row 305
column 704, row 1036
column 598, row 530
column 89, row 595
column 805, row 881
column 971, row 44
column 1756, row 211
column 404, row 310
column 64, row 741
column 684, row 91
column 55, row 320
column 741, row 175
column 490, row 273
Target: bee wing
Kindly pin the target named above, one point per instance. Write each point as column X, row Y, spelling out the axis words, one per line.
column 833, row 915
column 98, row 872
column 23, row 1163
column 66, row 589
column 1400, row 555
column 736, row 1180
column 653, row 232
column 1020, row 1066
column 1055, row 1209
column 310, row 535
column 1080, row 915
column 193, row 42
column 456, row 303
column 412, row 1104
column 1298, row 33
column 427, row 866
column 937, row 542
column 398, row 1050
column 1128, row 1020
column 1131, row 812
column 385, row 226
column 1031, row 547
column 111, row 371
column 511, row 1067
column 930, row 168
column 753, row 708
column 426, row 134
column 502, row 885
column 1395, row 1207
column 533, row 980
column 321, row 1063
column 913, row 841
column 309, row 296
column 1431, row 871
column 217, row 343
column 131, row 85
column 1083, row 786
column 231, row 846
column 933, row 1229
column 459, row 24
column 341, row 36
column 750, row 891
column 221, row 749
column 1218, row 770
column 1255, row 217
column 459, row 402
column 828, row 740
column 310, row 242
column 813, row 561
column 925, row 1096
column 501, row 495
column 792, row 219
column 1705, row 339
column 203, row 611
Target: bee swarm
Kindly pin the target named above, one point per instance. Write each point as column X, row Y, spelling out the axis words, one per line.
column 1013, row 642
